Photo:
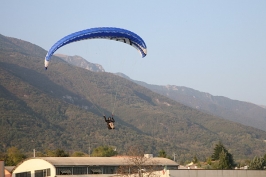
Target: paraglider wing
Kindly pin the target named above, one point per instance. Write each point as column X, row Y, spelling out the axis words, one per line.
column 116, row 34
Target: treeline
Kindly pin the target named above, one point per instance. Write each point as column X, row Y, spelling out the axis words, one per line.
column 221, row 158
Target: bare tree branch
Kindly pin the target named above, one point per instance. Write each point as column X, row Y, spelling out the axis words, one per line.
column 137, row 165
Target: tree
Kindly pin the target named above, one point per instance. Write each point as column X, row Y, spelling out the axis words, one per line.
column 209, row 160
column 224, row 162
column 78, row 154
column 219, row 152
column 61, row 153
column 56, row 153
column 195, row 159
column 162, row 153
column 257, row 163
column 103, row 151
column 136, row 163
column 13, row 157
column 50, row 153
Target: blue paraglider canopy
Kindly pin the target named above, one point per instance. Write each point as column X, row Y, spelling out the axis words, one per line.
column 110, row 33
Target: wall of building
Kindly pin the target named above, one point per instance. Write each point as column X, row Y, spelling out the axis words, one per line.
column 7, row 174
column 216, row 173
column 32, row 165
column 2, row 168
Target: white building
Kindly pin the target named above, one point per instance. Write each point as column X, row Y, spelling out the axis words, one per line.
column 82, row 166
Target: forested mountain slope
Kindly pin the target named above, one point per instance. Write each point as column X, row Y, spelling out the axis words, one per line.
column 234, row 110
column 63, row 107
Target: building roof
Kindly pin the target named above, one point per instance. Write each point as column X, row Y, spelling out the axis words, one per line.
column 9, row 168
column 97, row 161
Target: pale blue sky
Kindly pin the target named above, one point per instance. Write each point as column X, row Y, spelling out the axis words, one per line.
column 217, row 47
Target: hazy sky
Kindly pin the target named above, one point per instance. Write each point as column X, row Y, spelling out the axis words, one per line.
column 217, row 47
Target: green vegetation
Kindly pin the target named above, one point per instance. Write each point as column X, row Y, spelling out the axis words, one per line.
column 103, row 151
column 57, row 153
column 162, row 153
column 13, row 156
column 221, row 159
column 225, row 159
column 78, row 154
column 258, row 163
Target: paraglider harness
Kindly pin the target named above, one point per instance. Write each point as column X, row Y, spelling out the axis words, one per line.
column 110, row 122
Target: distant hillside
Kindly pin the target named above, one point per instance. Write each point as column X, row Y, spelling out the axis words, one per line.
column 63, row 107
column 238, row 111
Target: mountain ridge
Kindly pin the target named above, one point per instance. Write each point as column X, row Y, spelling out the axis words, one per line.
column 81, row 62
column 238, row 111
